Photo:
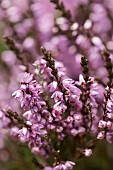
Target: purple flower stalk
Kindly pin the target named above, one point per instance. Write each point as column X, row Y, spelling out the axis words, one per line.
column 64, row 96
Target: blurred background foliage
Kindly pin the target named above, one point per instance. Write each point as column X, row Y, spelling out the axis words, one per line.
column 16, row 156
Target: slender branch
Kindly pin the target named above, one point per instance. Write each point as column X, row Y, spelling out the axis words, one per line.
column 65, row 13
column 18, row 118
column 85, row 96
column 12, row 46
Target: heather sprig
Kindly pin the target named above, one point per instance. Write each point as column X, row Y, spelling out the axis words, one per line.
column 109, row 67
column 72, row 105
column 40, row 121
column 85, row 69
column 60, row 6
column 66, row 99
column 51, row 64
column 85, row 96
column 18, row 51
column 105, row 124
column 19, row 119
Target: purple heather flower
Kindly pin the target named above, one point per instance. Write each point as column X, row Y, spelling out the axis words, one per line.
column 109, row 136
column 69, row 84
column 88, row 152
column 58, row 96
column 101, row 135
column 52, row 86
column 58, row 109
column 14, row 131
column 45, row 107
column 74, row 132
column 102, row 124
column 78, row 118
column 68, row 165
column 109, row 124
column 35, row 150
column 24, row 134
column 81, row 130
column 27, row 78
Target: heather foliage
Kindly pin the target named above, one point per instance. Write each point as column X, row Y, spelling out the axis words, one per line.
column 57, row 78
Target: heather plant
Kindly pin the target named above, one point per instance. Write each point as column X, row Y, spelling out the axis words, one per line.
column 57, row 81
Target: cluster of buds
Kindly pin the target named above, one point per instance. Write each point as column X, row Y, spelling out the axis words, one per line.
column 64, row 97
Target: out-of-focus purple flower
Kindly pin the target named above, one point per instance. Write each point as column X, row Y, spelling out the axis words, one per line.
column 68, row 165
column 88, row 152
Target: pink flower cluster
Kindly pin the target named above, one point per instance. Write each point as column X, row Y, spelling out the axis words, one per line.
column 64, row 99
column 57, row 107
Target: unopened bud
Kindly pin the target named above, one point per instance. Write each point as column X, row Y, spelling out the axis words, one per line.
column 88, row 152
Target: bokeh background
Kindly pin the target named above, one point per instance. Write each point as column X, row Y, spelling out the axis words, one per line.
column 17, row 156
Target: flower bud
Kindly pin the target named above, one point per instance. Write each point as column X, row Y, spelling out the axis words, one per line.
column 102, row 124
column 109, row 124
column 101, row 135
column 88, row 152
